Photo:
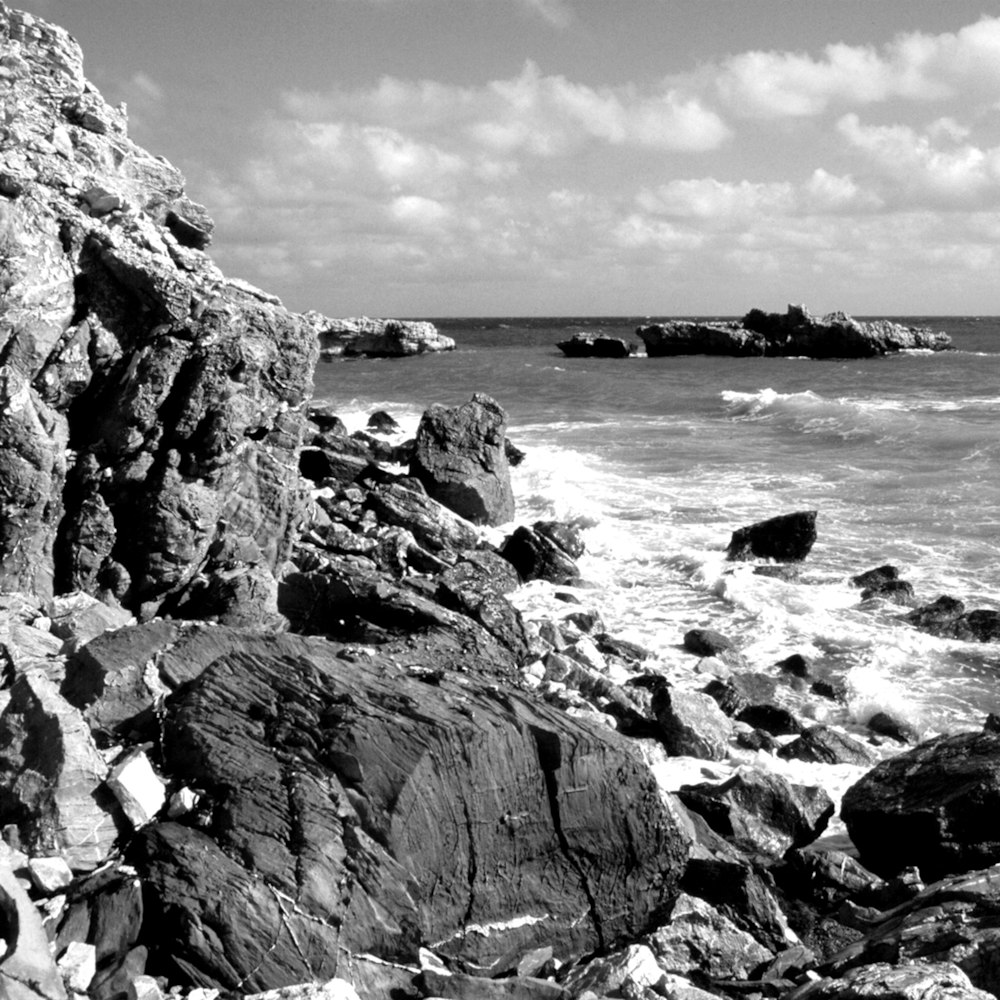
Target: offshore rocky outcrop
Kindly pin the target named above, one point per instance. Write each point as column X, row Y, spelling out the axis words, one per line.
column 153, row 409
column 796, row 333
column 377, row 338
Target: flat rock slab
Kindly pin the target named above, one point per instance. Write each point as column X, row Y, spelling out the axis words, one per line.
column 351, row 807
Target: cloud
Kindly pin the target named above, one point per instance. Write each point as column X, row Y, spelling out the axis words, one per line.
column 728, row 204
column 554, row 12
column 913, row 66
column 531, row 113
column 930, row 169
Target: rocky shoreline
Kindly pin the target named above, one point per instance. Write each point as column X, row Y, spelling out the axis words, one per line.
column 271, row 720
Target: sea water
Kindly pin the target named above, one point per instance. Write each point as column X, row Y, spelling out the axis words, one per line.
column 665, row 457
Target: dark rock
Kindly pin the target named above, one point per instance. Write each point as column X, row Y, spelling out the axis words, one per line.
column 356, row 809
column 883, row 724
column 707, row 642
column 786, row 538
column 691, row 723
column 536, row 557
column 761, row 811
column 825, row 745
column 895, row 591
column 826, row 877
column 744, row 893
column 381, row 422
column 933, row 806
column 743, row 691
column 515, row 456
column 564, row 535
column 461, row 460
column 797, row 333
column 797, row 665
column 756, row 739
column 873, row 579
column 947, row 617
column 588, row 345
column 630, row 652
column 679, row 338
column 326, row 420
column 882, row 981
column 773, row 719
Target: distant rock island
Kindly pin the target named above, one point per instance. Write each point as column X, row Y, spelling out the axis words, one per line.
column 376, row 338
column 796, row 333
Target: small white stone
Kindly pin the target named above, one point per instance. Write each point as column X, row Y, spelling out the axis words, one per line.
column 144, row 988
column 182, row 802
column 137, row 787
column 78, row 966
column 50, row 874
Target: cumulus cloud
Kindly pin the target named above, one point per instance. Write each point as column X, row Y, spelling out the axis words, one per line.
column 929, row 168
column 913, row 66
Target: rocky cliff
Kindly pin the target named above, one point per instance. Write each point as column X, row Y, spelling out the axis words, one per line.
column 153, row 407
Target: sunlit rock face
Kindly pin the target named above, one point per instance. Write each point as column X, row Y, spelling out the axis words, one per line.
column 151, row 409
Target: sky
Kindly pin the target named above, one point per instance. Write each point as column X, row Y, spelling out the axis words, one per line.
column 434, row 158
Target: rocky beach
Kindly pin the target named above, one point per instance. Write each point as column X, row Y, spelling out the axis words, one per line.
column 282, row 715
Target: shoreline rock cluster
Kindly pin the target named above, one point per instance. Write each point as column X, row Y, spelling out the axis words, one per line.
column 271, row 724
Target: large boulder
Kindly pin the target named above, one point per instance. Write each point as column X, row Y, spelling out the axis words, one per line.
column 378, row 338
column 354, row 805
column 934, row 806
column 948, row 618
column 920, row 980
column 461, row 460
column 151, row 409
column 786, row 538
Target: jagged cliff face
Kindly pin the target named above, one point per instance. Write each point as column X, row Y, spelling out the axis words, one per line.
column 151, row 410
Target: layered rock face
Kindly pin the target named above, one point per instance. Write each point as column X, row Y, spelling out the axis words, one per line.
column 796, row 333
column 152, row 409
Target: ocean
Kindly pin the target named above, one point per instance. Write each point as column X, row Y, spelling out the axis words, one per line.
column 666, row 457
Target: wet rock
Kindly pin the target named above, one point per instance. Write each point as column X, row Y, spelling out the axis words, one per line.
column 536, row 556
column 691, row 723
column 826, row 745
column 381, row 422
column 947, row 617
column 797, row 665
column 786, row 538
column 707, row 642
column 312, row 762
column 883, row 724
column 932, row 806
column 761, row 811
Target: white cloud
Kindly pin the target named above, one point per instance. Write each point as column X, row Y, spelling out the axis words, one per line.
column 532, row 113
column 914, row 66
column 913, row 169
